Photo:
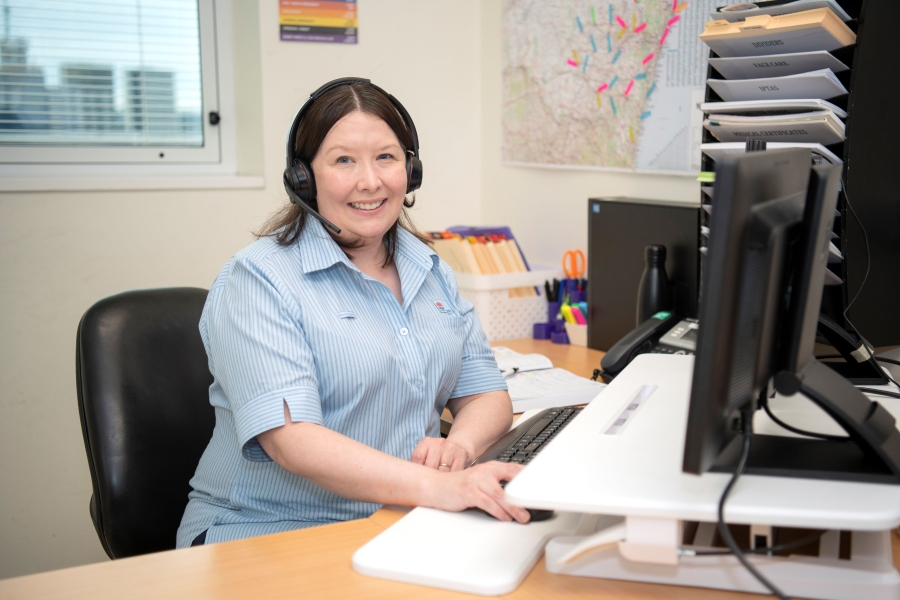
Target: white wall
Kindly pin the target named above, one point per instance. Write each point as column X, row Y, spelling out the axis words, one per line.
column 60, row 253
column 547, row 208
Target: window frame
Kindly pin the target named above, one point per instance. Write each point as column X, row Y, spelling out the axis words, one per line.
column 217, row 156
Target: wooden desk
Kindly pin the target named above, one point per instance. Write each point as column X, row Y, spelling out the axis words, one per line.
column 315, row 563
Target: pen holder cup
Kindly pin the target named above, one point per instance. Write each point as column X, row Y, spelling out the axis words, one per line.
column 559, row 337
column 542, row 331
column 552, row 311
column 577, row 334
column 575, row 297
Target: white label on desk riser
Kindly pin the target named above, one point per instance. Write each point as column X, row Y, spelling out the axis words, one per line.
column 626, row 414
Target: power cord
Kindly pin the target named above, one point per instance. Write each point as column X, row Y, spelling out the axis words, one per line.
column 820, row 436
column 868, row 256
column 879, row 392
column 723, row 528
column 878, row 358
column 865, row 277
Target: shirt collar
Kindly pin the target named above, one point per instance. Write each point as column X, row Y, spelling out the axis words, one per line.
column 318, row 250
column 413, row 249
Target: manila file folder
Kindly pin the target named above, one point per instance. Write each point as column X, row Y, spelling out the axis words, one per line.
column 806, row 31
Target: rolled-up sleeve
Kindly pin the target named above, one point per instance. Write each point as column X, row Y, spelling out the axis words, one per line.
column 479, row 372
column 259, row 355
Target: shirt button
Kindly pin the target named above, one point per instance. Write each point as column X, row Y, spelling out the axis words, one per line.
column 419, row 384
column 418, row 439
column 404, row 331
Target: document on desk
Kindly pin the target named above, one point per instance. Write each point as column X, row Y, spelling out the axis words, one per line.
column 550, row 388
column 776, row 65
column 537, row 384
column 508, row 359
column 821, row 84
column 819, row 127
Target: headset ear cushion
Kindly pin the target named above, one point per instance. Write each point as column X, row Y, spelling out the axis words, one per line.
column 301, row 182
column 413, row 173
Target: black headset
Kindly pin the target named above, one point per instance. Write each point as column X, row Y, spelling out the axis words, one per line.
column 299, row 182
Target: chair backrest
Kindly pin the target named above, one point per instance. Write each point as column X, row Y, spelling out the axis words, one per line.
column 143, row 396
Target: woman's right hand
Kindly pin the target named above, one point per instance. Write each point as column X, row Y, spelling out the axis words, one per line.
column 477, row 487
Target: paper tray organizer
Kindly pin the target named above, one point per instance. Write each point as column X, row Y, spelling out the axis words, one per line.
column 502, row 317
column 847, row 56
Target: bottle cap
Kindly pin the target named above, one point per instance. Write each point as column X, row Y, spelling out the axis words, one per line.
column 655, row 254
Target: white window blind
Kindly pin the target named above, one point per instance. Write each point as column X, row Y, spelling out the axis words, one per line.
column 107, row 81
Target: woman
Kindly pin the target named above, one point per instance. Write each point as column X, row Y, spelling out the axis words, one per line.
column 335, row 354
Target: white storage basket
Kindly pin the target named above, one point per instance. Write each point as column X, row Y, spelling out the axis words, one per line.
column 502, row 317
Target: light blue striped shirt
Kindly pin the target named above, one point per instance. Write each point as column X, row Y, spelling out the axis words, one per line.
column 302, row 325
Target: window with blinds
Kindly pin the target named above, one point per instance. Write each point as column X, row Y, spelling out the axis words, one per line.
column 107, row 80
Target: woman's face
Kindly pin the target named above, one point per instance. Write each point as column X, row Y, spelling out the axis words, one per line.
column 360, row 172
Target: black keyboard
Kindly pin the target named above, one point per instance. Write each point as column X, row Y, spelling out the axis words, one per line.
column 524, row 442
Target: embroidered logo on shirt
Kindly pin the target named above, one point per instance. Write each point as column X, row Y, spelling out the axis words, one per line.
column 443, row 307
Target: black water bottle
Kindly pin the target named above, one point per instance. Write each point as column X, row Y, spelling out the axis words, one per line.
column 653, row 293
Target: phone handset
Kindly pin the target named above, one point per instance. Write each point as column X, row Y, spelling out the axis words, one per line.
column 638, row 341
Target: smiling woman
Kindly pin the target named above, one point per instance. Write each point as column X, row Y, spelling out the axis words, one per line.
column 336, row 342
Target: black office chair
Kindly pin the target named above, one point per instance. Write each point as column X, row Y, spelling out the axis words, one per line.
column 143, row 396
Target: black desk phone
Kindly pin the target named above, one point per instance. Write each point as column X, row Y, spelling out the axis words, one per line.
column 663, row 333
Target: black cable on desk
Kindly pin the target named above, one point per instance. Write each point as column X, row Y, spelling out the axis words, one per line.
column 723, row 528
column 879, row 392
column 821, row 436
column 878, row 358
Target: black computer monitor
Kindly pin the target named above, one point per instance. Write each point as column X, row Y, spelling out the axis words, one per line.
column 767, row 250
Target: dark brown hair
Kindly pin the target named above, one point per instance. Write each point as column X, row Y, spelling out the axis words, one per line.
column 287, row 224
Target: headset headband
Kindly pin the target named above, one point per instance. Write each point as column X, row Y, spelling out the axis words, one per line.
column 295, row 126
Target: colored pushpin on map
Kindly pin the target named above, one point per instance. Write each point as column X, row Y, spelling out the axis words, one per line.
column 662, row 40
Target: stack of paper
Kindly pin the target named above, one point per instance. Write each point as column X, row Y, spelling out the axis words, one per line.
column 821, row 84
column 718, row 151
column 536, row 384
column 776, row 65
column 807, row 31
column 821, row 127
column 740, row 12
column 482, row 255
column 766, row 108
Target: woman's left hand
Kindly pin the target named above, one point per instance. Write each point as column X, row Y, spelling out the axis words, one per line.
column 441, row 454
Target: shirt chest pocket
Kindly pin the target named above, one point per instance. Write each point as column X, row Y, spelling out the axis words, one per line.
column 451, row 322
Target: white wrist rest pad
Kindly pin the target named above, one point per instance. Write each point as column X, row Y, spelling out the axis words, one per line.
column 465, row 552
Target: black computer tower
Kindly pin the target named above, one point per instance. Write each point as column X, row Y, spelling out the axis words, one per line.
column 618, row 231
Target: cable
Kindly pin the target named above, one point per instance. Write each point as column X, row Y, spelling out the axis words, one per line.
column 773, row 549
column 879, row 392
column 723, row 528
column 821, row 436
column 868, row 257
column 878, row 358
column 865, row 277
